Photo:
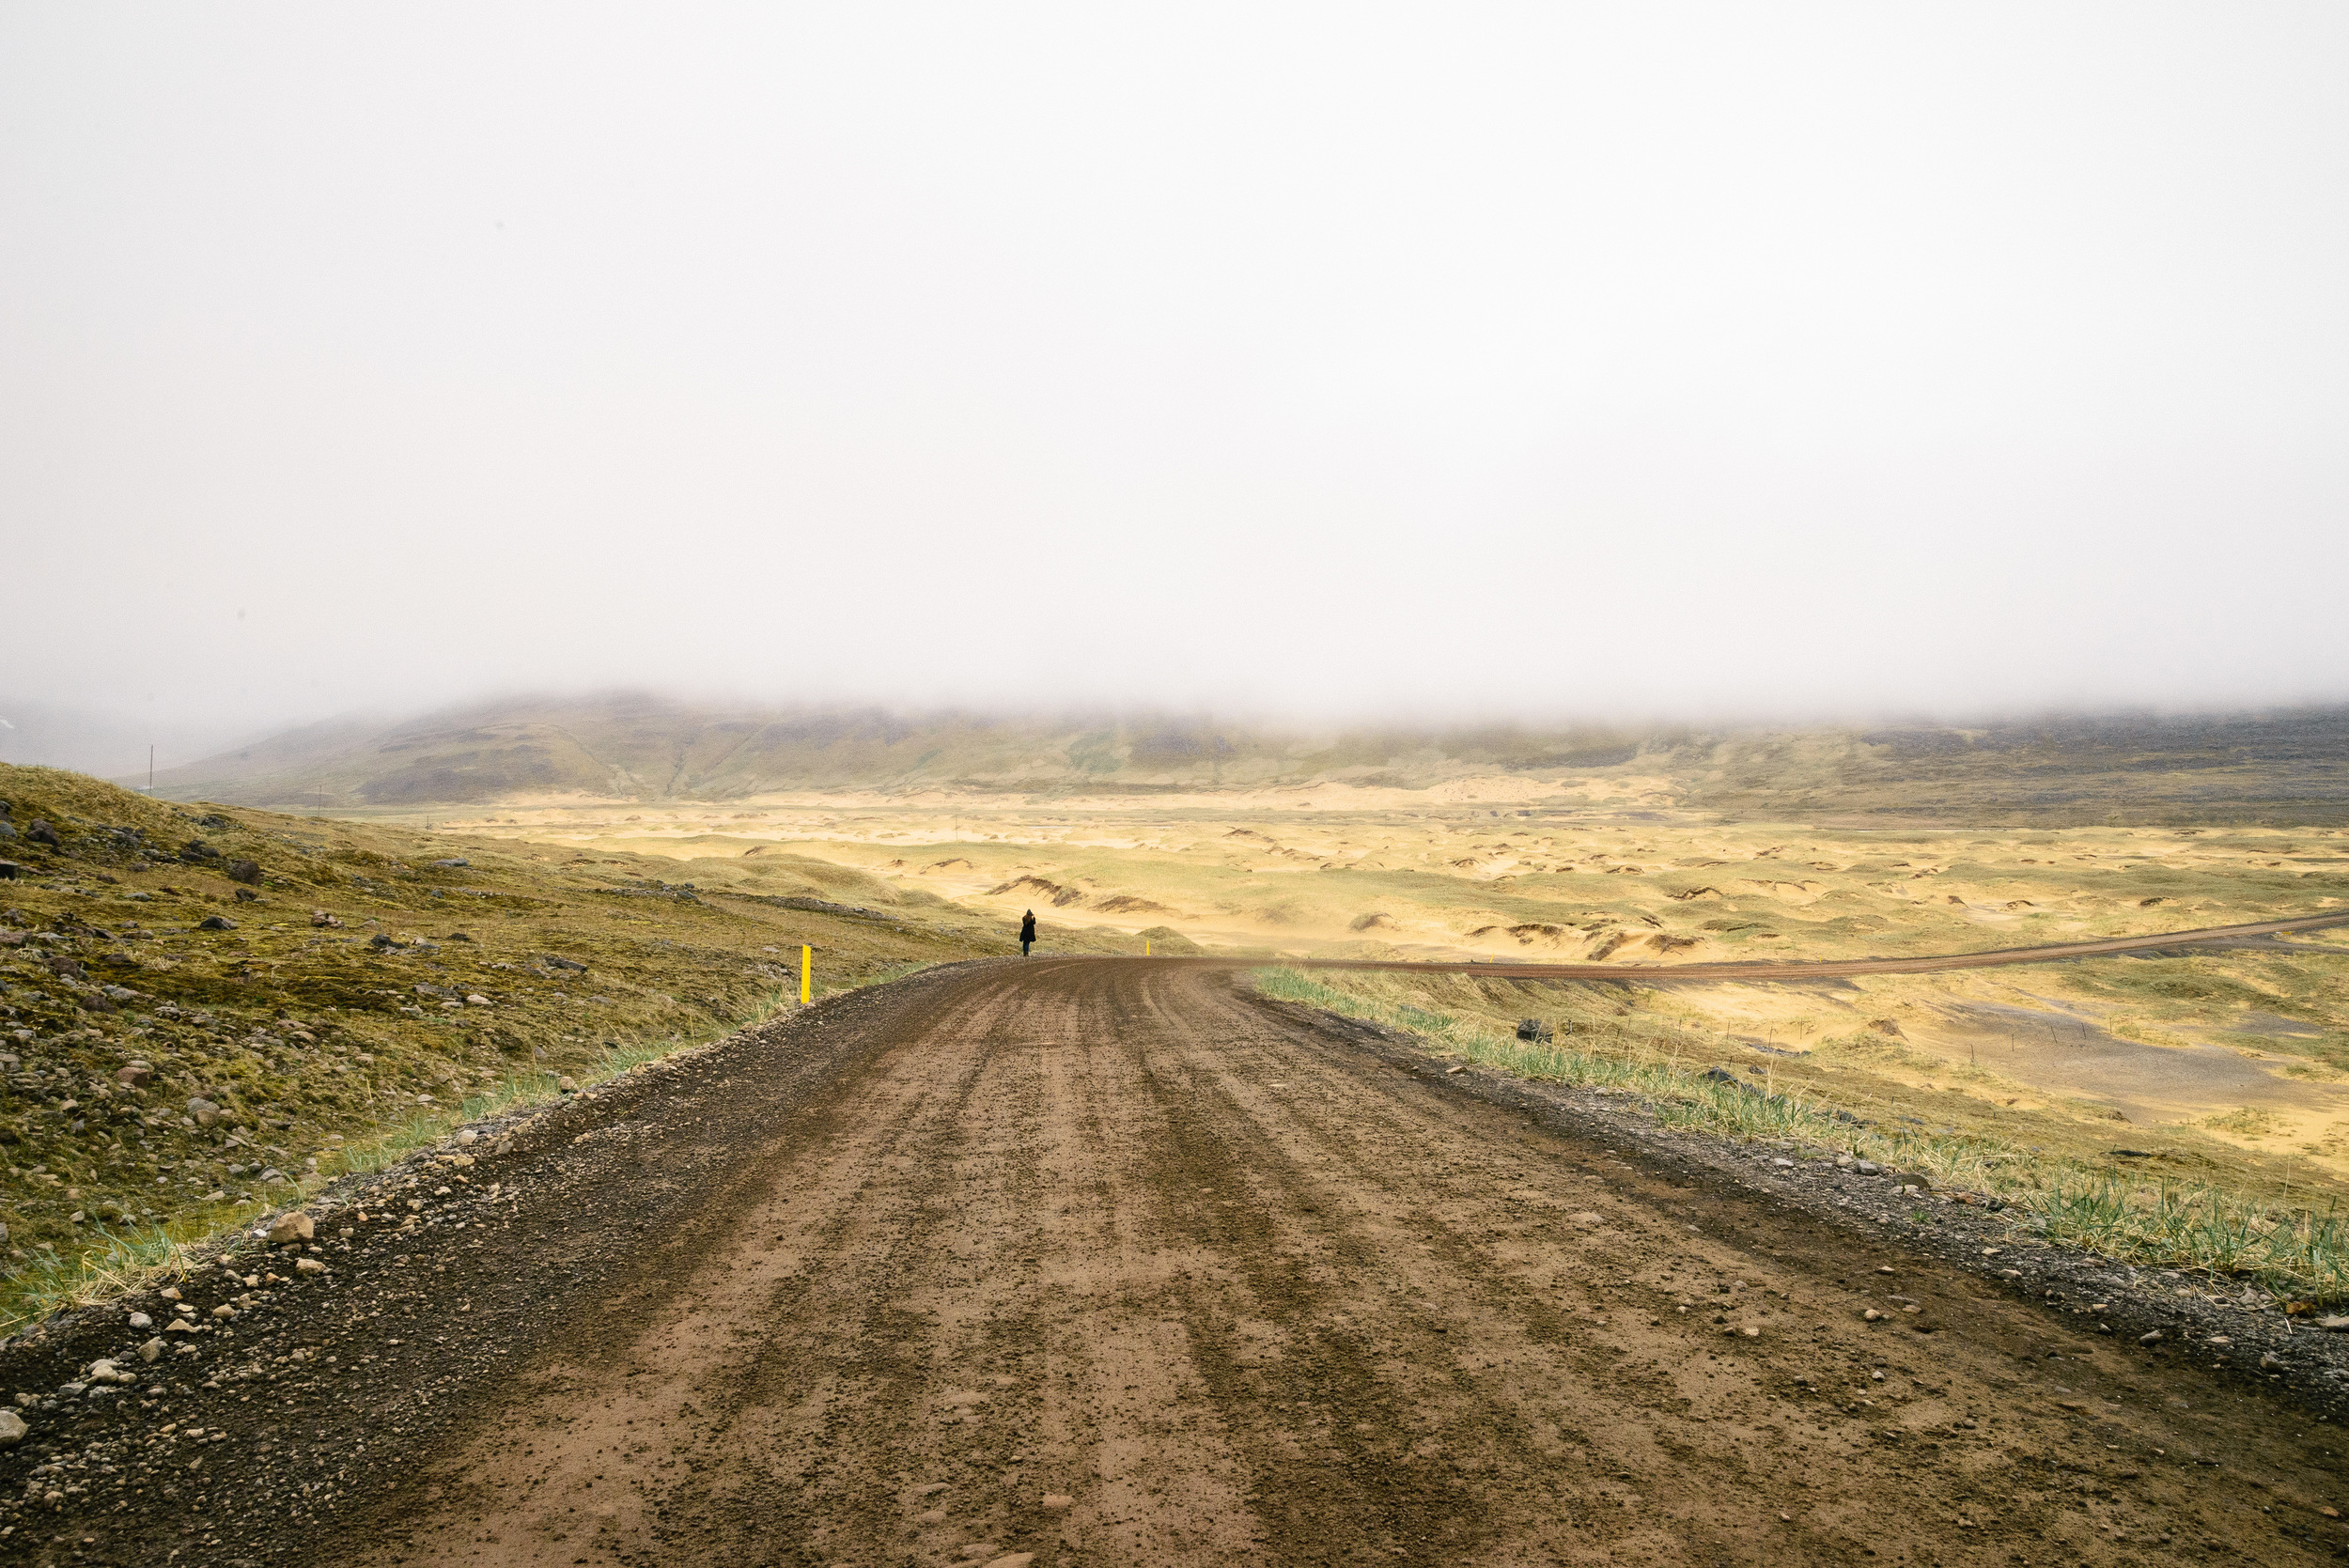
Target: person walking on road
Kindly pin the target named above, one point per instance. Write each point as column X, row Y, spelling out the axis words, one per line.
column 1026, row 934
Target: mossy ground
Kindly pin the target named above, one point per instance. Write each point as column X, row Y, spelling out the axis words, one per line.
column 323, row 1046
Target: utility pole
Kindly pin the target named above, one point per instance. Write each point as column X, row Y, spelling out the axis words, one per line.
column 150, row 771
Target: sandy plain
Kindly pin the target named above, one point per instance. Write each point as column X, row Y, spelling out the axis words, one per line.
column 2249, row 1048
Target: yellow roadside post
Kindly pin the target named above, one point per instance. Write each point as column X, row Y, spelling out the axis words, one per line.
column 1145, row 947
column 807, row 973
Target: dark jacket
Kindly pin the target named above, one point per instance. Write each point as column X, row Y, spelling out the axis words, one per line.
column 1027, row 928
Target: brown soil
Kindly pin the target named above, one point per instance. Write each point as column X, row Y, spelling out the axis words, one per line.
column 888, row 1282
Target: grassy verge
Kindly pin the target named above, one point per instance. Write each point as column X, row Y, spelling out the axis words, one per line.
column 113, row 1260
column 205, row 1013
column 2293, row 1250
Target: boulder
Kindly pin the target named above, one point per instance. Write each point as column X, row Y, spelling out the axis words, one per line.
column 205, row 1111
column 38, row 831
column 137, row 1075
column 12, row 1429
column 215, row 922
column 1536, row 1030
column 244, row 871
column 293, row 1227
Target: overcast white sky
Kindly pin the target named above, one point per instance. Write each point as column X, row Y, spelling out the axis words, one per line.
column 1553, row 359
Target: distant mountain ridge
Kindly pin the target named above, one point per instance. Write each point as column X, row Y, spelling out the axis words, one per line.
column 651, row 748
column 2286, row 766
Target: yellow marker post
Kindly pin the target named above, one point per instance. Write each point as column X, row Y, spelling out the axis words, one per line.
column 807, row 973
column 1145, row 947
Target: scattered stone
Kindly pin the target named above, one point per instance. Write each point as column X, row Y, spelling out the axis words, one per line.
column 2153, row 1338
column 320, row 917
column 1536, row 1030
column 476, row 1000
column 451, row 865
column 137, row 1075
column 151, row 1350
column 1868, row 1168
column 467, row 1136
column 1782, row 1163
column 140, row 1320
column 205, row 1111
column 292, row 1227
column 2268, row 1362
column 41, row 833
column 2334, row 1325
column 1057, row 1500
column 244, row 871
column 566, row 1085
column 1013, row 1559
column 1455, row 1069
column 309, row 1265
column 551, row 961
column 1873, row 1316
column 215, row 922
column 12, row 1429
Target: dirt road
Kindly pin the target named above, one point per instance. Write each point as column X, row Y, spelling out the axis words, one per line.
column 1108, row 1263
column 1821, row 968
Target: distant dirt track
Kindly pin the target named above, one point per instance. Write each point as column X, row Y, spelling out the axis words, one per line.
column 1827, row 968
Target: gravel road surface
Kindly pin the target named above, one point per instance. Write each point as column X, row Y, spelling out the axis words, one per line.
column 1107, row 1262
